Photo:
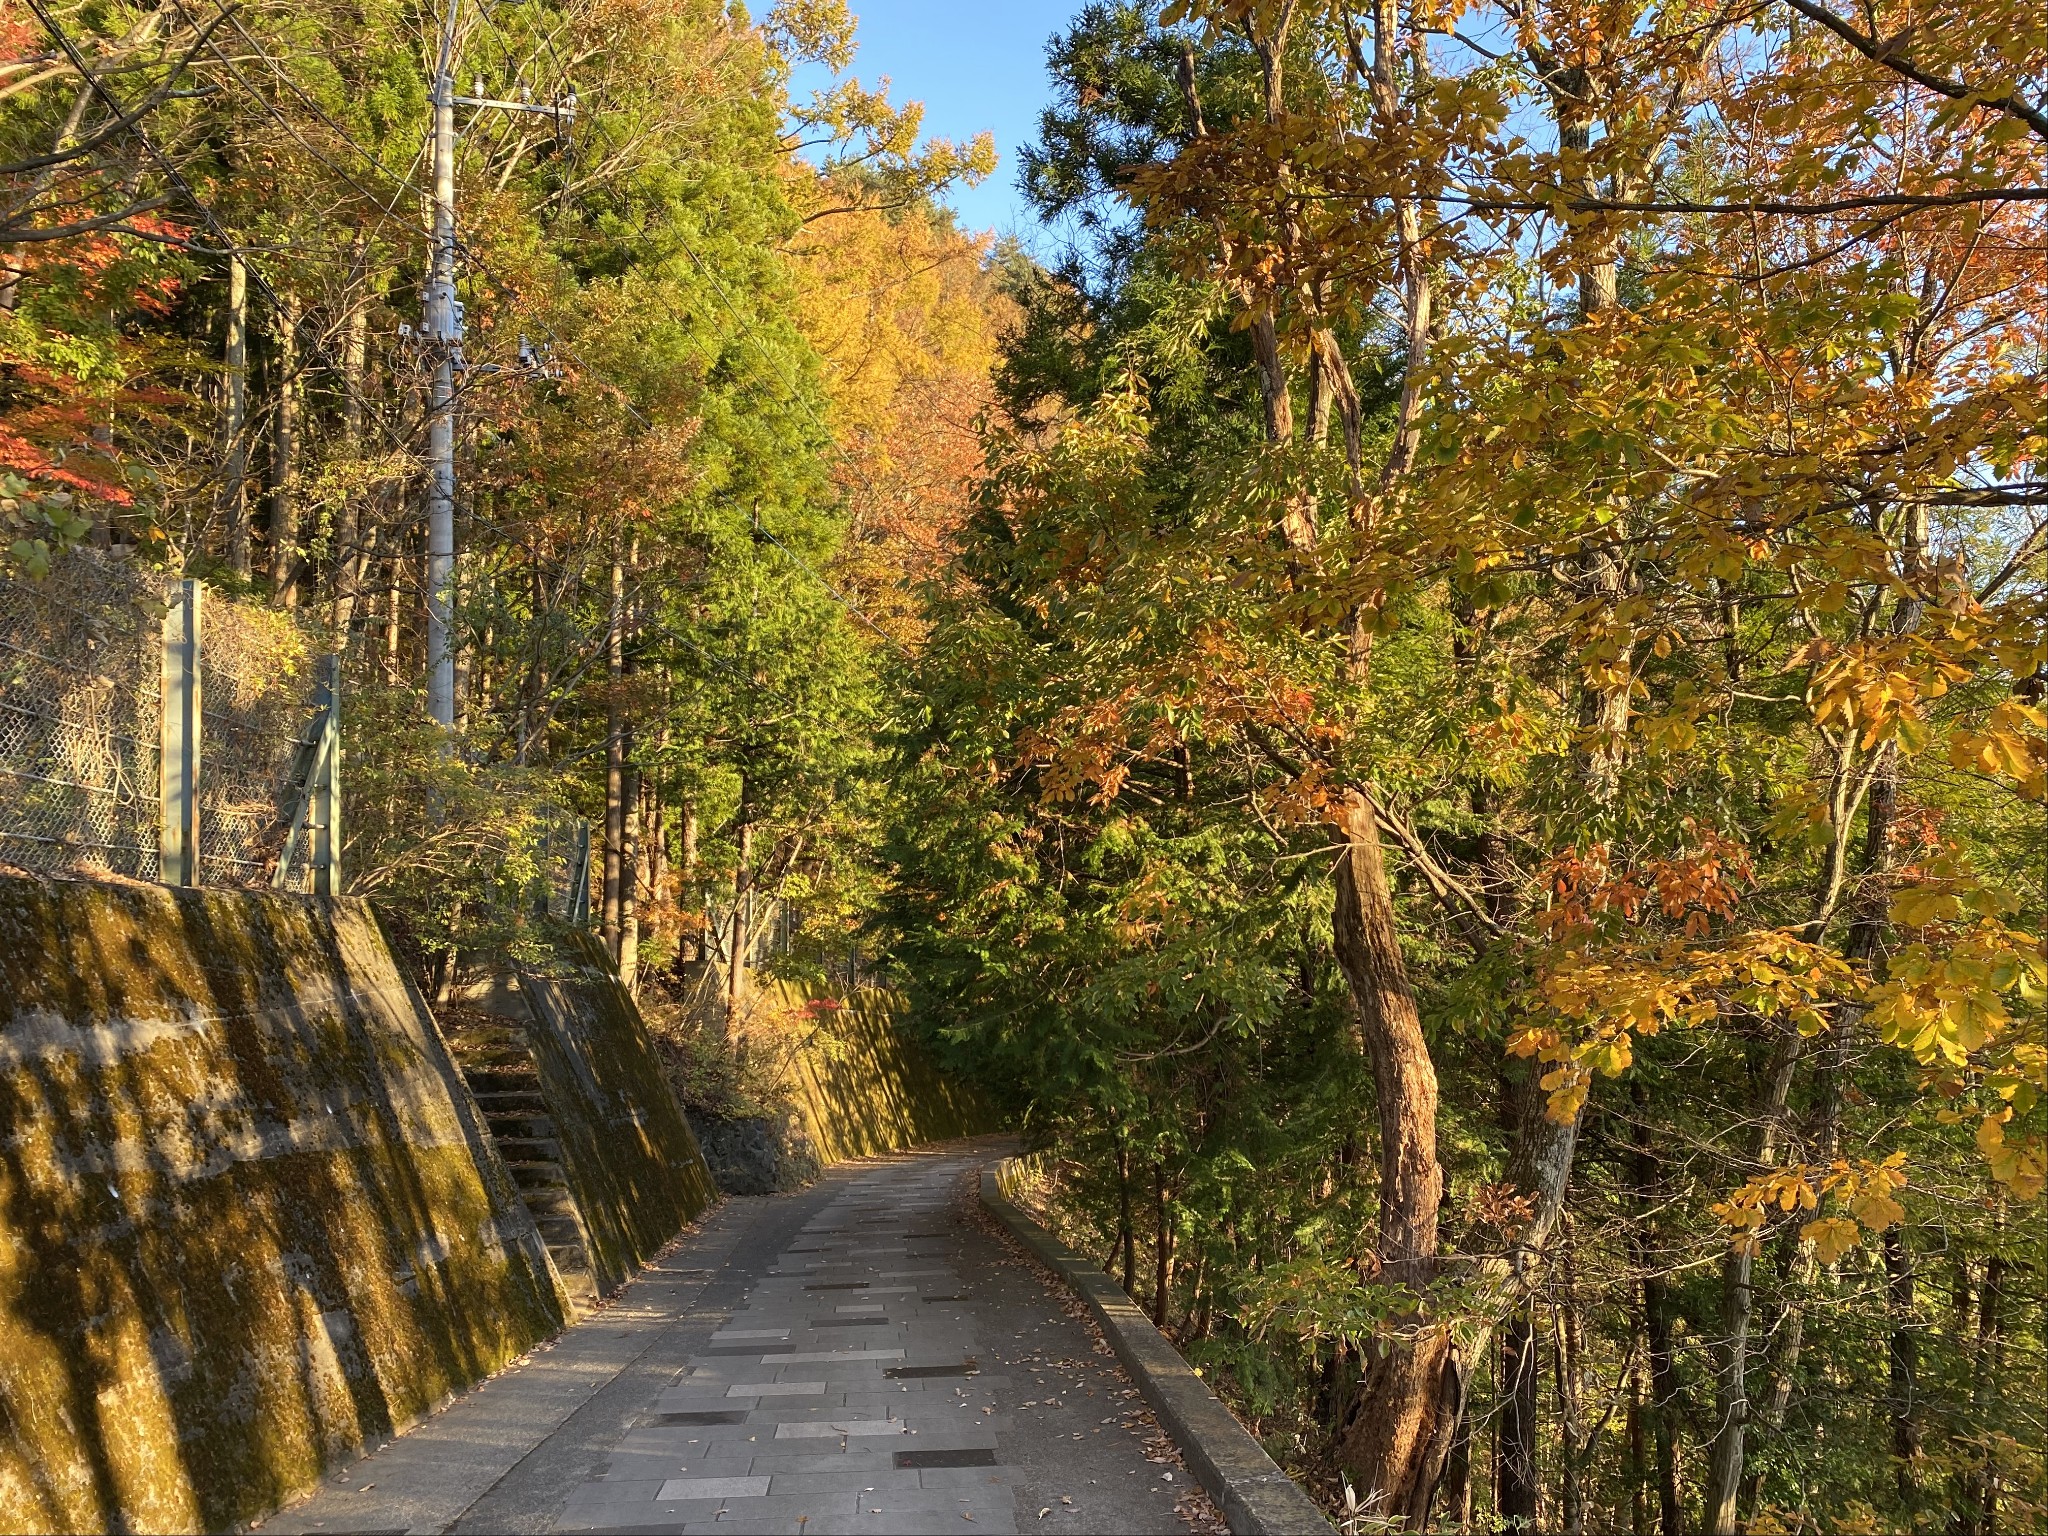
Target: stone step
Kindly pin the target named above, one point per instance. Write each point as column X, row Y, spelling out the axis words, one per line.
column 510, row 1100
column 471, row 1052
column 497, row 1064
column 529, row 1149
column 497, row 1080
column 550, row 1204
column 537, row 1171
column 517, row 1126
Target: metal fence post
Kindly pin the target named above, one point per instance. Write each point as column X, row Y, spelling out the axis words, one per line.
column 179, row 729
column 317, row 773
column 327, row 787
column 579, row 880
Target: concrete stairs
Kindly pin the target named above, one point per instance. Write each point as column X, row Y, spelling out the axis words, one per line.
column 497, row 1062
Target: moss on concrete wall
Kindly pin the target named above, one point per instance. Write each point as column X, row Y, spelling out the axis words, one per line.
column 631, row 1162
column 864, row 1083
column 249, row 1218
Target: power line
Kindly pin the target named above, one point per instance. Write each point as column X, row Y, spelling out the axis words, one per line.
column 405, row 183
column 171, row 173
column 387, row 209
column 547, row 40
column 230, row 246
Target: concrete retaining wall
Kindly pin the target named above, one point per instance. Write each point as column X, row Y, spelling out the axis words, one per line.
column 249, row 1218
column 636, row 1170
column 864, row 1084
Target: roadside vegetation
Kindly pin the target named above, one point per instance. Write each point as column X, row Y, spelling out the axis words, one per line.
column 1447, row 707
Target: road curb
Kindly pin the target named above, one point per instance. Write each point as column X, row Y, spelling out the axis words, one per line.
column 1256, row 1497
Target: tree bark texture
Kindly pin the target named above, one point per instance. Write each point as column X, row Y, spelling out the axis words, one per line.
column 1398, row 1430
column 1661, row 1407
column 1978, row 1487
column 629, row 874
column 348, row 553
column 1517, row 1479
column 1568, row 1339
column 1902, row 1402
column 742, row 911
column 614, row 761
column 234, row 486
column 1126, row 1236
column 281, row 475
column 690, row 948
column 1162, row 1247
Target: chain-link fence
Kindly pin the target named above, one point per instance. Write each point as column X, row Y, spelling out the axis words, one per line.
column 256, row 678
column 80, row 664
column 81, row 726
column 564, row 862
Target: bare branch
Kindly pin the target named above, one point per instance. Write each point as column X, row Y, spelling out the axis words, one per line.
column 1886, row 52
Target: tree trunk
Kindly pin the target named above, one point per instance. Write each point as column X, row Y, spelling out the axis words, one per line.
column 1518, row 1475
column 653, row 844
column 234, row 484
column 348, row 552
column 1796, row 1272
column 614, row 760
column 690, row 947
column 1903, row 1358
column 1661, row 1409
column 1455, row 1493
column 1398, row 1430
column 281, row 475
column 1638, row 1441
column 1569, row 1356
column 1125, row 1234
column 1731, row 1393
column 1663, row 1405
column 629, row 876
column 1162, row 1247
column 392, row 618
column 742, row 913
column 1517, row 1479
column 630, row 839
column 1979, row 1501
column 1738, row 1307
column 1273, row 388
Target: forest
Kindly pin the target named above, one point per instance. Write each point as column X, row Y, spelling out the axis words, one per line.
column 1442, row 693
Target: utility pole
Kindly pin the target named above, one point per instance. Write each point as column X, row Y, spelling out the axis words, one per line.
column 443, row 336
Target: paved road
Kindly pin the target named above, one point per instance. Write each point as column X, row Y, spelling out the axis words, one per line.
column 865, row 1356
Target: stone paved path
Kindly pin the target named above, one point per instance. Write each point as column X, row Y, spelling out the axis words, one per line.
column 864, row 1356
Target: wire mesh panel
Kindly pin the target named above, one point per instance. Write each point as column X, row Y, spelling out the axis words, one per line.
column 80, row 664
column 256, row 670
column 81, row 715
column 564, row 863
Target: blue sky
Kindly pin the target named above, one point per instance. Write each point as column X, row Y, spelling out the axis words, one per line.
column 974, row 66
